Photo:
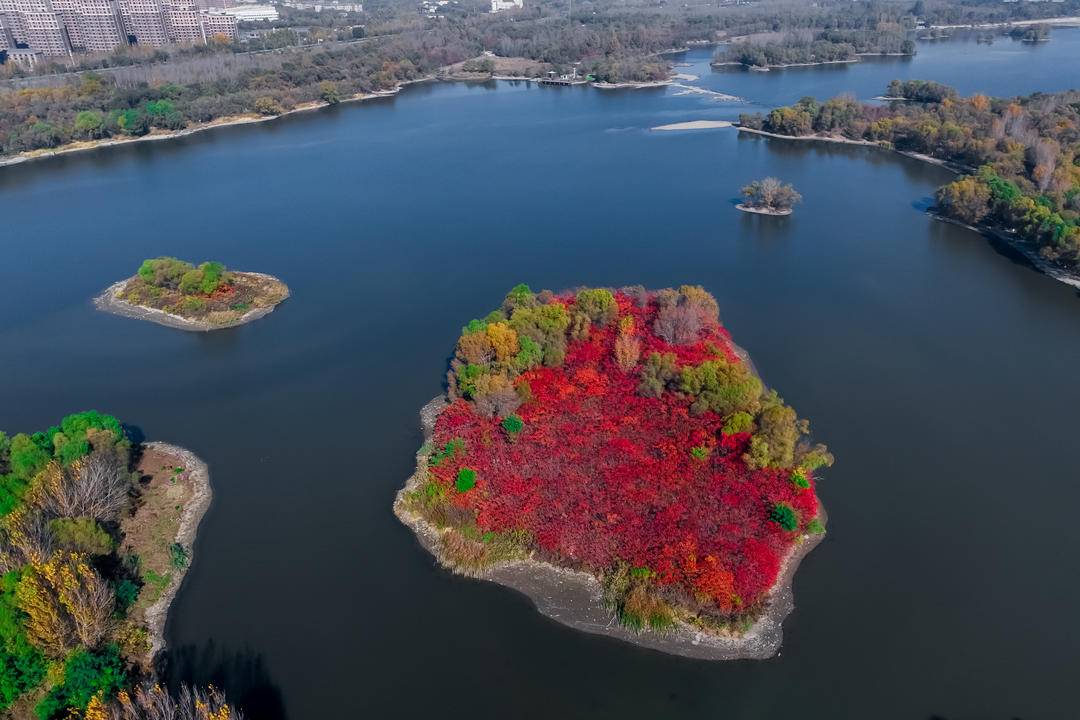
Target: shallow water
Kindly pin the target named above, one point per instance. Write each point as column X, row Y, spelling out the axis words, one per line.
column 940, row 371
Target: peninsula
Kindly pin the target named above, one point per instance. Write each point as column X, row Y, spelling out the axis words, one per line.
column 613, row 455
column 177, row 294
column 96, row 535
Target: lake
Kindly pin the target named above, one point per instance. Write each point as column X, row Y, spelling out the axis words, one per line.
column 939, row 369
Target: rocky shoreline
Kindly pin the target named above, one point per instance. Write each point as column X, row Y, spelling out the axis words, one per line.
column 574, row 598
column 763, row 210
column 109, row 301
column 193, row 512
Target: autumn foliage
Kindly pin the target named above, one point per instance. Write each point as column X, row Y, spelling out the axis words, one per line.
column 619, row 462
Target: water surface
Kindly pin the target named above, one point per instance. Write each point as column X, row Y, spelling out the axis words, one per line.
column 940, row 371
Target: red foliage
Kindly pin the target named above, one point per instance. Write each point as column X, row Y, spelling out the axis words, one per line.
column 601, row 474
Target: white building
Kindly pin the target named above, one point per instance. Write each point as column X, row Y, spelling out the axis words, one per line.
column 252, row 13
column 498, row 5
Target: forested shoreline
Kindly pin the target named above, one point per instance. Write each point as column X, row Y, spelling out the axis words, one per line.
column 135, row 92
column 86, row 551
column 1023, row 154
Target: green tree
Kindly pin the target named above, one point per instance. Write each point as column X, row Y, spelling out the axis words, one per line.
column 86, row 673
column 89, row 124
column 328, row 92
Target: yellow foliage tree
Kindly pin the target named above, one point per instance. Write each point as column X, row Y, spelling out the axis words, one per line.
column 504, row 340
column 67, row 603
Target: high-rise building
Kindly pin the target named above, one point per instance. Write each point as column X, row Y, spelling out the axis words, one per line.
column 60, row 27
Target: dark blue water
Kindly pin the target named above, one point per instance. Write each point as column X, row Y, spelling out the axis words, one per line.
column 940, row 371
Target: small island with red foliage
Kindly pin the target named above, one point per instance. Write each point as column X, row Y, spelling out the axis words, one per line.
column 613, row 455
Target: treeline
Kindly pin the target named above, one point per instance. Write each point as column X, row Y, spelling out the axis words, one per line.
column 825, row 46
column 975, row 12
column 1025, row 154
column 68, row 641
column 95, row 106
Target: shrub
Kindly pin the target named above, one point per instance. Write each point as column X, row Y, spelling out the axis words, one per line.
column 452, row 448
column 814, row 527
column 784, row 515
column 659, row 371
column 164, row 272
column 700, row 452
column 627, row 351
column 779, row 429
column 721, row 387
column 466, row 480
column 178, row 556
column 86, row 674
column 738, row 422
column 81, row 534
column 799, row 480
column 513, row 424
column 192, row 304
column 520, row 296
column 529, row 356
column 598, row 305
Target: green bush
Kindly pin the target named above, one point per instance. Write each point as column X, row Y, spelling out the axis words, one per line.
column 513, row 424
column 700, row 452
column 165, row 272
column 178, row 556
column 720, row 387
column 127, row 592
column 22, row 666
column 784, row 515
column 82, row 534
column 814, row 527
column 799, row 480
column 657, row 373
column 193, row 304
column 739, row 422
column 86, row 674
column 598, row 305
column 455, row 446
column 466, row 480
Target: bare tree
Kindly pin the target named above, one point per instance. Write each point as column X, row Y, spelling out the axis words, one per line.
column 25, row 538
column 771, row 193
column 152, row 702
column 96, row 486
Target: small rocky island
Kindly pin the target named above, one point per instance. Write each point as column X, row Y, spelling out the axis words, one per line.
column 96, row 535
column 180, row 295
column 613, row 455
column 769, row 197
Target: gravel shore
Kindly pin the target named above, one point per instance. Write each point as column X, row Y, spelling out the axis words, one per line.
column 193, row 512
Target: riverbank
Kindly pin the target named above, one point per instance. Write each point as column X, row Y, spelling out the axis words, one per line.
column 173, row 503
column 575, row 598
column 156, row 135
column 1068, row 21
column 1031, row 255
column 111, row 302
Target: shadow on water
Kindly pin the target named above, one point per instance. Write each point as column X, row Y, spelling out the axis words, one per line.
column 241, row 674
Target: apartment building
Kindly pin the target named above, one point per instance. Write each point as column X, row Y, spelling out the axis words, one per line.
column 62, row 27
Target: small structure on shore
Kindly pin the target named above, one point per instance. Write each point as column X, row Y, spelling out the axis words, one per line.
column 769, row 197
